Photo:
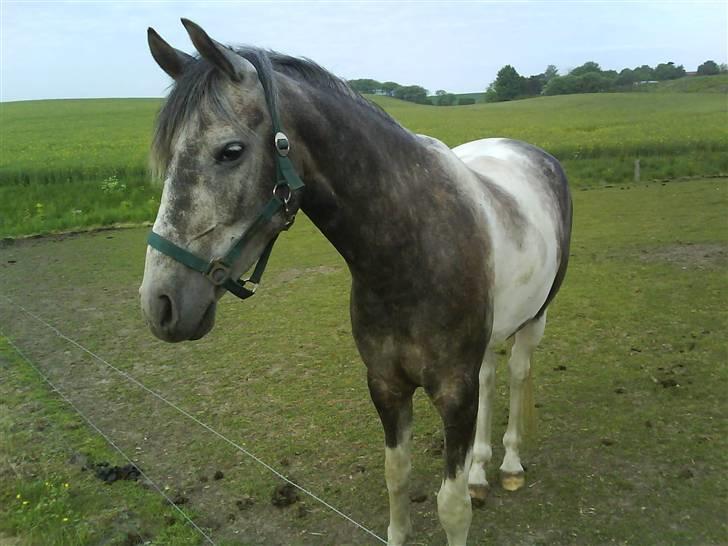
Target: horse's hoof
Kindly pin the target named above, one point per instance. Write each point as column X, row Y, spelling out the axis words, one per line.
column 478, row 494
column 512, row 481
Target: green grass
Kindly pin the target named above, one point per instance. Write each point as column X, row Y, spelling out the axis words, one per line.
column 56, row 155
column 479, row 97
column 44, row 499
column 622, row 455
column 690, row 84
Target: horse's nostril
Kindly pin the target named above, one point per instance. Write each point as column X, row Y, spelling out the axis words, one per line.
column 166, row 312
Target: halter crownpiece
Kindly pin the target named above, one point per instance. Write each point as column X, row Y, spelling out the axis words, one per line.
column 219, row 270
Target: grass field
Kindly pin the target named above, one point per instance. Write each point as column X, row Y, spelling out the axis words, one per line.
column 630, row 384
column 691, row 84
column 76, row 163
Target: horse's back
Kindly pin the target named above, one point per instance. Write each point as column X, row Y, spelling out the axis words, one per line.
column 526, row 198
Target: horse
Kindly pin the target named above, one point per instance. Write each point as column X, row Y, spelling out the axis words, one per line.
column 450, row 251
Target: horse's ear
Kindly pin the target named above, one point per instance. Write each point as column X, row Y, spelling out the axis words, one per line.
column 217, row 54
column 171, row 60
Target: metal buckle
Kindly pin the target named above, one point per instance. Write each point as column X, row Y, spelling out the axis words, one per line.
column 254, row 285
column 218, row 272
column 282, row 144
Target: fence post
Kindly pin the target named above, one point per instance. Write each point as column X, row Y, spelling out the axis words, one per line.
column 636, row 170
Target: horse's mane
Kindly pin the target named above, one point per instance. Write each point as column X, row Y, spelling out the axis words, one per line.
column 199, row 87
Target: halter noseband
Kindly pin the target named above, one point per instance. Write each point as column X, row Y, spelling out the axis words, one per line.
column 219, row 270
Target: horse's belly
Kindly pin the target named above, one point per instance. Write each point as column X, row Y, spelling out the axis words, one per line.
column 523, row 279
column 525, row 261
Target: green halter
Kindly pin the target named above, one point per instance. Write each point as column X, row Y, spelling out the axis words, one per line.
column 218, row 270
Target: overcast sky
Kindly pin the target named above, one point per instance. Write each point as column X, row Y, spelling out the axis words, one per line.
column 98, row 49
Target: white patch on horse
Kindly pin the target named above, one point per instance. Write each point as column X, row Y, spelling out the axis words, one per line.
column 397, row 468
column 454, row 506
column 516, row 298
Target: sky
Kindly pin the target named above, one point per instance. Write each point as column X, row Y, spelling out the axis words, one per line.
column 56, row 49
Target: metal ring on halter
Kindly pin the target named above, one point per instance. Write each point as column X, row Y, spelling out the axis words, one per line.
column 218, row 272
column 286, row 198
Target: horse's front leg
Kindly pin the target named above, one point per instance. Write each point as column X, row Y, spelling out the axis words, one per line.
column 457, row 403
column 394, row 405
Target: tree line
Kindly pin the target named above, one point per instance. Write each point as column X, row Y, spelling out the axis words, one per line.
column 510, row 85
column 411, row 93
column 587, row 78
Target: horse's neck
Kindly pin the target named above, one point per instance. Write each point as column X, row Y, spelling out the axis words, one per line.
column 362, row 173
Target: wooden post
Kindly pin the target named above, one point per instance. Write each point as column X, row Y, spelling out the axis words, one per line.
column 636, row 170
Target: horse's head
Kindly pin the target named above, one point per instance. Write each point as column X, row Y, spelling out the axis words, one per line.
column 213, row 146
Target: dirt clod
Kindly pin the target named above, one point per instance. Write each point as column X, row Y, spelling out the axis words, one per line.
column 218, row 475
column 607, row 442
column 110, row 474
column 418, row 496
column 686, row 474
column 668, row 382
column 560, row 368
column 284, row 495
column 79, row 459
column 620, row 390
column 244, row 503
column 179, row 499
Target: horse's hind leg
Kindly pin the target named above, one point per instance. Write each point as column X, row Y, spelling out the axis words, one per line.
column 519, row 366
column 482, row 451
column 394, row 405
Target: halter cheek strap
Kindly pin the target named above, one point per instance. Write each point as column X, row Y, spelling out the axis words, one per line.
column 219, row 270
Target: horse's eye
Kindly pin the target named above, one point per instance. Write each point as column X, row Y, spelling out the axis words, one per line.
column 231, row 152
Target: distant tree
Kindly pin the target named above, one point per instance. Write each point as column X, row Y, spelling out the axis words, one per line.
column 589, row 82
column 412, row 93
column 446, row 99
column 668, row 71
column 708, row 68
column 533, row 85
column 463, row 101
column 644, row 73
column 508, row 84
column 388, row 88
column 626, row 77
column 562, row 85
column 440, row 92
column 550, row 73
column 723, row 68
column 587, row 67
column 490, row 94
column 365, row 85
column 594, row 82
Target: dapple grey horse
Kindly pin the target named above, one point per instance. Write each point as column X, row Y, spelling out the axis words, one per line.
column 450, row 251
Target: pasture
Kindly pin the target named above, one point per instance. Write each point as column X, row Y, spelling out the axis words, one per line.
column 630, row 377
column 78, row 163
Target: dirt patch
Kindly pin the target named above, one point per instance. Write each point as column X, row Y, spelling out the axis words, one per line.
column 689, row 255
